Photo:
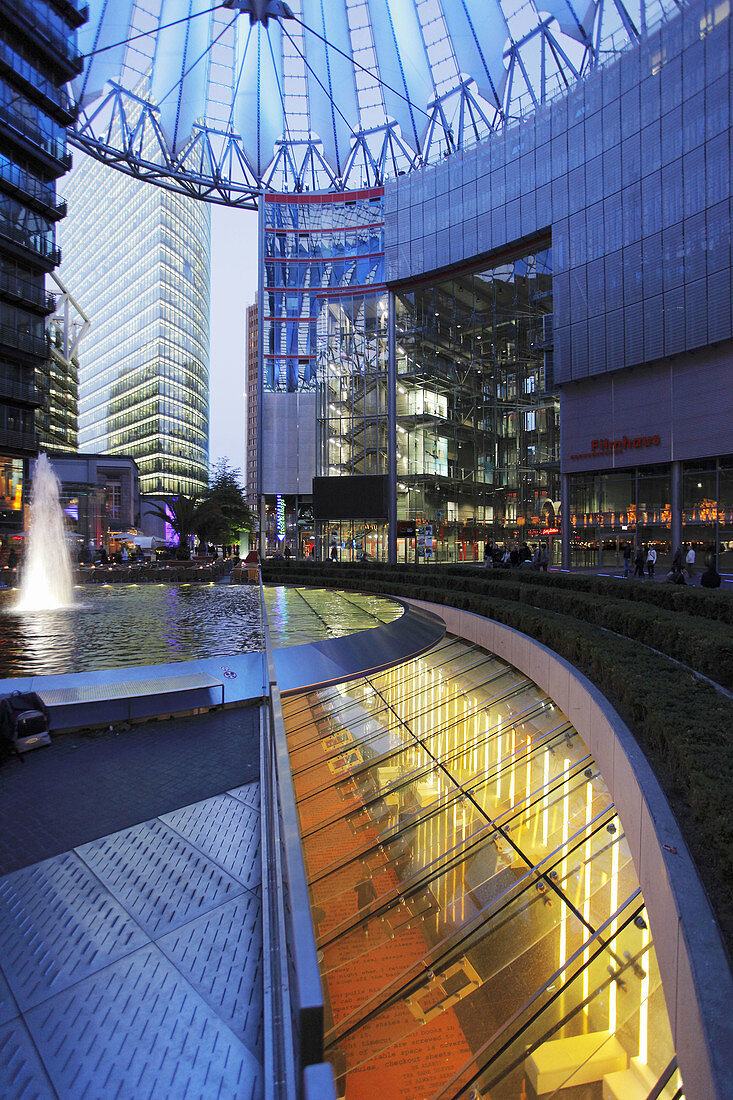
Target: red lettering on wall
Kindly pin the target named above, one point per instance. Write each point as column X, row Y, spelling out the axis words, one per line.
column 601, row 447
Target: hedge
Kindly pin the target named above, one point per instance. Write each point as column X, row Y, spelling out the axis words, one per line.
column 682, row 723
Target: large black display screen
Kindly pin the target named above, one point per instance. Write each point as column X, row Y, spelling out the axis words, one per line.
column 362, row 496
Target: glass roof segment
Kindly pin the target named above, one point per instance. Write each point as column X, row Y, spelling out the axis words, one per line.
column 299, row 615
column 479, row 922
column 223, row 99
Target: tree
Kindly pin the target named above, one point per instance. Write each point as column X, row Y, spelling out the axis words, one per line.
column 183, row 514
column 224, row 512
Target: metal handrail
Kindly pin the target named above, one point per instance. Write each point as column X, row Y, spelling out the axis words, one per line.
column 293, row 996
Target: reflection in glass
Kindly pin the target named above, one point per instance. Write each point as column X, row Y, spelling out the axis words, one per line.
column 478, row 916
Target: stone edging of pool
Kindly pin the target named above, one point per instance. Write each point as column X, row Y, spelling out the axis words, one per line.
column 696, row 974
column 106, row 696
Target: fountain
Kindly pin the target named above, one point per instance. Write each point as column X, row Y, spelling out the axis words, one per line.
column 47, row 580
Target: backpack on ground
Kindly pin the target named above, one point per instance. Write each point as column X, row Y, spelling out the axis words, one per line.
column 24, row 722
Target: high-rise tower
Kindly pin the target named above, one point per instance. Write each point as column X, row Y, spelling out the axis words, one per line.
column 138, row 257
column 38, row 55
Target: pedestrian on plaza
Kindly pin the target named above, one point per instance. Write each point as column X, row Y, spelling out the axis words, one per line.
column 639, row 563
column 334, row 552
column 124, row 555
column 514, row 557
column 651, row 561
column 487, row 554
column 690, row 561
column 544, row 557
column 287, row 553
column 506, row 557
column 103, row 555
column 677, row 560
column 710, row 578
column 627, row 559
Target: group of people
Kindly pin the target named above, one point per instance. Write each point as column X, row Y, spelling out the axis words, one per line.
column 682, row 570
column 524, row 556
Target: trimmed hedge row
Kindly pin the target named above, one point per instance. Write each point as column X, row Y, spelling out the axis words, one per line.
column 682, row 723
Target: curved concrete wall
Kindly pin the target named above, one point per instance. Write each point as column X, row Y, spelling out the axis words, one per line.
column 696, row 976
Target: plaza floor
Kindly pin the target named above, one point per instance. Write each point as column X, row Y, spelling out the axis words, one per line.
column 130, row 955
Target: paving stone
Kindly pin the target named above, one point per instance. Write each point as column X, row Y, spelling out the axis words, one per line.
column 158, row 877
column 137, row 1029
column 23, row 1075
column 220, row 954
column 84, row 786
column 225, row 829
column 58, row 925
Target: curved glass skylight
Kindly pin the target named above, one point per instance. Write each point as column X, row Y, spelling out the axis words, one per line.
column 225, row 99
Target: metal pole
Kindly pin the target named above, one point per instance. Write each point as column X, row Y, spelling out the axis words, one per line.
column 261, row 360
column 391, row 430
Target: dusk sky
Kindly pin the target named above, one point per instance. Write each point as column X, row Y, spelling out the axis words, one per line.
column 233, row 286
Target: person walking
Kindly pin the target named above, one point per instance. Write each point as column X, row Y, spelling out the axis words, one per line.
column 487, row 554
column 690, row 561
column 627, row 559
column 651, row 561
column 544, row 557
column 334, row 552
column 639, row 563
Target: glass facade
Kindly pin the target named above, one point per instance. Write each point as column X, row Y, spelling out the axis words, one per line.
column 477, row 421
column 478, row 917
column 636, row 506
column 38, row 56
column 144, row 370
column 317, row 249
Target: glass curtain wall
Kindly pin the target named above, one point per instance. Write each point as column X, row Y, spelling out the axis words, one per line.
column 477, row 421
column 479, row 922
column 325, row 331
column 634, row 507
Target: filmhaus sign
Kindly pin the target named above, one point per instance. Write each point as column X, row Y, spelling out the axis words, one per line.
column 600, row 448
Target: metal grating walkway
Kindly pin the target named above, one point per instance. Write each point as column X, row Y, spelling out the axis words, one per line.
column 132, row 966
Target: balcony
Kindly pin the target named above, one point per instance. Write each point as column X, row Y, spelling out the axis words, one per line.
column 55, row 100
column 36, row 346
column 31, row 292
column 35, row 244
column 33, row 192
column 18, row 441
column 20, row 391
column 33, row 141
column 47, row 38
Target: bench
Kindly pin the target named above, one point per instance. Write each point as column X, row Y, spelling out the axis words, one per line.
column 127, row 699
column 577, row 1060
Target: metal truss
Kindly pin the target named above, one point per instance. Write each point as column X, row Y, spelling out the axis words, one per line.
column 123, row 128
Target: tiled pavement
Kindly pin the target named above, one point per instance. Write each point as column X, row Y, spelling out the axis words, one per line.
column 131, row 966
column 84, row 786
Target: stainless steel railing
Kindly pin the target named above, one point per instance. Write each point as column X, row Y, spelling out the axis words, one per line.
column 293, row 997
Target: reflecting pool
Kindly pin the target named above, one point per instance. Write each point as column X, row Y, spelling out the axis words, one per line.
column 123, row 625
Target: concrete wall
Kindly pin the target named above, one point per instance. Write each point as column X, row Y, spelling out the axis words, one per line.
column 631, row 172
column 696, row 976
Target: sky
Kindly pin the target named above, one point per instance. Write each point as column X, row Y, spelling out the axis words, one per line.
column 233, row 286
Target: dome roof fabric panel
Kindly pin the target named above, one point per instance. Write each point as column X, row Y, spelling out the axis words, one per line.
column 102, row 39
column 259, row 116
column 481, row 57
column 180, row 75
column 403, row 63
column 334, row 110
